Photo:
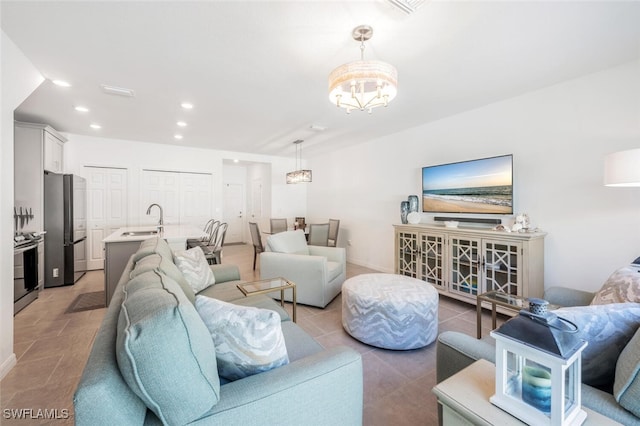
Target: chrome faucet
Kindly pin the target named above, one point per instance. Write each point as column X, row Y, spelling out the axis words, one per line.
column 161, row 221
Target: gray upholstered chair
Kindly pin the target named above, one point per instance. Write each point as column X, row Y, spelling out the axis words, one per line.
column 278, row 225
column 319, row 234
column 317, row 271
column 256, row 238
column 334, row 226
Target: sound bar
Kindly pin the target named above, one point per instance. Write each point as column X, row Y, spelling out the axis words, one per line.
column 468, row 220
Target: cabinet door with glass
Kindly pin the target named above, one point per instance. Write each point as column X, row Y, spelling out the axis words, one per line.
column 432, row 259
column 465, row 263
column 503, row 271
column 407, row 254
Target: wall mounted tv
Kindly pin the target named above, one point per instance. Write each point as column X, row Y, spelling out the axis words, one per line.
column 477, row 186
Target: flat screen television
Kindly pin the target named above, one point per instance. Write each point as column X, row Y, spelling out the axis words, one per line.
column 477, row 186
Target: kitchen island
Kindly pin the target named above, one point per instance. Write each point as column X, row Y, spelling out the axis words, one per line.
column 120, row 245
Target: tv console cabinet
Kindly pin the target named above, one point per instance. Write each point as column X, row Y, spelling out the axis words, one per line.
column 464, row 262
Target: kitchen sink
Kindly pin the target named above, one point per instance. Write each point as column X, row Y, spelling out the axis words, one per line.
column 139, row 233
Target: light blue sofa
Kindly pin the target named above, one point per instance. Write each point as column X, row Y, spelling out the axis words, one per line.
column 456, row 351
column 318, row 386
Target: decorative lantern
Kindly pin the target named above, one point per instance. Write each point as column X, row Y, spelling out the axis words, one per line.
column 538, row 368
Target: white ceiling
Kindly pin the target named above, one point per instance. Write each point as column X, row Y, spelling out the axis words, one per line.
column 257, row 71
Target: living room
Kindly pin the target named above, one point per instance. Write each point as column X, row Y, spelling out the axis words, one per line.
column 559, row 132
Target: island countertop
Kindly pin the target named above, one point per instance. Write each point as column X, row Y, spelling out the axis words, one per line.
column 171, row 233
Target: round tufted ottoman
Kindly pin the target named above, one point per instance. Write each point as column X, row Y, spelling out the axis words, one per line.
column 390, row 311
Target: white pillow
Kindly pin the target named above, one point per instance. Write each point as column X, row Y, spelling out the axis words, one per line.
column 193, row 265
column 248, row 340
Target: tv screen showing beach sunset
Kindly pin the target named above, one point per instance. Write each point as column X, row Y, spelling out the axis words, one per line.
column 477, row 186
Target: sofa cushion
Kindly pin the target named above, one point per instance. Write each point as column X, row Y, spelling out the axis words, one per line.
column 248, row 340
column 154, row 245
column 622, row 286
column 164, row 350
column 608, row 329
column 291, row 242
column 626, row 387
column 195, row 268
column 156, row 262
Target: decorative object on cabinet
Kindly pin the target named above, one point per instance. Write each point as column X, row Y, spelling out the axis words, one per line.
column 462, row 263
column 451, row 223
column 413, row 203
column 404, row 211
column 413, row 218
column 538, row 368
column 363, row 85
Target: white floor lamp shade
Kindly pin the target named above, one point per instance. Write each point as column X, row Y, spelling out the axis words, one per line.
column 622, row 168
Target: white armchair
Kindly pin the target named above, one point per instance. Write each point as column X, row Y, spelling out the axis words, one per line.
column 317, row 271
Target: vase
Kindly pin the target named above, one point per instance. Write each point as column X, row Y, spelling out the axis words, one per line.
column 404, row 211
column 413, row 203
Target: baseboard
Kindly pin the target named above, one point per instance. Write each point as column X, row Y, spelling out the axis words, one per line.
column 7, row 365
column 369, row 265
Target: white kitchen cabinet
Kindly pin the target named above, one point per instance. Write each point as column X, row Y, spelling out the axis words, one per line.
column 464, row 262
column 30, row 148
column 53, row 150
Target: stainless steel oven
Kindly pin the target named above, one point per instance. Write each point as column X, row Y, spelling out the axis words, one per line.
column 25, row 275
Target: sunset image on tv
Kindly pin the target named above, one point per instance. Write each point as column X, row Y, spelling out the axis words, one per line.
column 478, row 186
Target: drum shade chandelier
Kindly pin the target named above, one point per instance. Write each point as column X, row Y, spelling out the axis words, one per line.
column 299, row 175
column 363, row 85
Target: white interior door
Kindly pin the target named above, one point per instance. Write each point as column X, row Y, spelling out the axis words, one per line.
column 107, row 209
column 234, row 212
column 195, row 198
column 256, row 201
column 162, row 188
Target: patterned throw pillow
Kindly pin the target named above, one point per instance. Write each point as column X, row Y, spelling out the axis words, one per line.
column 607, row 329
column 195, row 268
column 248, row 340
column 622, row 286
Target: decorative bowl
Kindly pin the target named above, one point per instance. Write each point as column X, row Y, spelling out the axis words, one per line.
column 451, row 223
column 413, row 218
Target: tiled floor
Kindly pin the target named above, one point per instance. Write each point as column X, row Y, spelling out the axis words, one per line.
column 52, row 347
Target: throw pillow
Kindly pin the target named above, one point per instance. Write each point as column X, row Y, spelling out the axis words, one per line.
column 248, row 340
column 195, row 268
column 626, row 387
column 164, row 350
column 608, row 329
column 291, row 242
column 622, row 286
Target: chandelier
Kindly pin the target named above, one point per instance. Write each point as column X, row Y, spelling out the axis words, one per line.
column 299, row 175
column 362, row 84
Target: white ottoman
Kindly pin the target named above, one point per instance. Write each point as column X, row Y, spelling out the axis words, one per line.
column 390, row 311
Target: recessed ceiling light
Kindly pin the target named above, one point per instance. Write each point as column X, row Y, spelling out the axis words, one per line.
column 186, row 105
column 181, row 124
column 235, row 160
column 61, row 83
column 81, row 108
column 318, row 128
column 177, row 136
column 95, row 126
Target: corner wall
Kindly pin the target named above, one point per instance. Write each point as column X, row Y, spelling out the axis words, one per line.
column 558, row 137
column 18, row 78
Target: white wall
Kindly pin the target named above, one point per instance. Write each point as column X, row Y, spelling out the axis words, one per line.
column 135, row 156
column 18, row 78
column 558, row 137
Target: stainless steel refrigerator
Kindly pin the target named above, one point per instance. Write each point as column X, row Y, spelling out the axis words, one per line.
column 65, row 243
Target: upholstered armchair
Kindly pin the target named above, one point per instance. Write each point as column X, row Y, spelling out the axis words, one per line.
column 317, row 271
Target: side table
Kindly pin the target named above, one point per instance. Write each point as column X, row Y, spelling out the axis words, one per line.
column 465, row 400
column 269, row 286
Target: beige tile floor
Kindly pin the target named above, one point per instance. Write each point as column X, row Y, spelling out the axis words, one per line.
column 52, row 347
